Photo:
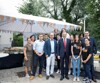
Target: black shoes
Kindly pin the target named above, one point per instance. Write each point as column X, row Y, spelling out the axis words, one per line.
column 47, row 77
column 62, row 77
column 94, row 80
column 67, row 77
column 52, row 76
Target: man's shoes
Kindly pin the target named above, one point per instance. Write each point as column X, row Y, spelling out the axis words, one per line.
column 40, row 76
column 52, row 76
column 94, row 80
column 62, row 77
column 67, row 77
column 31, row 77
column 47, row 77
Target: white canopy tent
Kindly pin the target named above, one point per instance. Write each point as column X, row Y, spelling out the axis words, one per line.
column 27, row 23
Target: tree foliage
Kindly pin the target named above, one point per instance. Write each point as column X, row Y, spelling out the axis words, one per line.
column 93, row 9
column 17, row 40
column 57, row 9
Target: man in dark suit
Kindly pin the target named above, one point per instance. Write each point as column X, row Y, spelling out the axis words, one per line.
column 50, row 49
column 63, row 52
column 94, row 50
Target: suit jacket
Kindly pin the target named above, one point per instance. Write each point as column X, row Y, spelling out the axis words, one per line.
column 60, row 47
column 47, row 47
column 92, row 44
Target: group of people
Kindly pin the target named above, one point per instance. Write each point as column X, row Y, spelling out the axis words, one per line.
column 63, row 48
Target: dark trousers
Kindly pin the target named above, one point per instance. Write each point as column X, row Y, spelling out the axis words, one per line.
column 37, row 60
column 58, row 63
column 44, row 61
column 64, row 65
column 87, row 70
column 92, row 71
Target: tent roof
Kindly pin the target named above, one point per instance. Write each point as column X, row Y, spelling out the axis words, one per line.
column 31, row 18
column 36, row 18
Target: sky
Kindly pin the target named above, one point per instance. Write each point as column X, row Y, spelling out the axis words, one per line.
column 10, row 5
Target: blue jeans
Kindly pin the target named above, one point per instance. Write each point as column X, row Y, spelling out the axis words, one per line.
column 76, row 65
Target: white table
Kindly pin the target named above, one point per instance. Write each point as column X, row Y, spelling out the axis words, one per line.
column 3, row 55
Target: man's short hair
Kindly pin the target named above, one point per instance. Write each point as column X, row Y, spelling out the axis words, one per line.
column 40, row 34
column 86, row 31
column 46, row 34
column 51, row 33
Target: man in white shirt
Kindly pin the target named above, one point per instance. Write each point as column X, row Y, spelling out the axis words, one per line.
column 38, row 56
column 50, row 49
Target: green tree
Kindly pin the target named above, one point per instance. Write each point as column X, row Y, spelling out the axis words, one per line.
column 57, row 9
column 31, row 7
column 78, row 11
column 93, row 9
column 18, row 40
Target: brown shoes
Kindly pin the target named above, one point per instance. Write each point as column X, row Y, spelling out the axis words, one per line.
column 31, row 77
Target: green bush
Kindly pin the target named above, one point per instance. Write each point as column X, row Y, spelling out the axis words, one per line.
column 17, row 40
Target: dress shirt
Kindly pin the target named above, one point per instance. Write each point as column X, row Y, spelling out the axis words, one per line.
column 52, row 45
column 38, row 46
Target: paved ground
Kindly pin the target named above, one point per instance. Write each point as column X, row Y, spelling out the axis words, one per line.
column 9, row 76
